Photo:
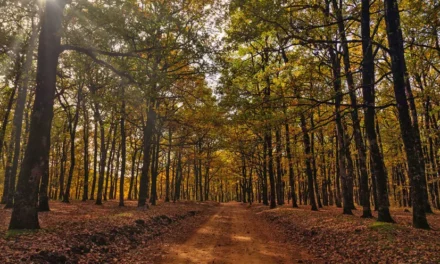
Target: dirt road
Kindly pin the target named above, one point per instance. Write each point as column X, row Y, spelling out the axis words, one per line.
column 233, row 235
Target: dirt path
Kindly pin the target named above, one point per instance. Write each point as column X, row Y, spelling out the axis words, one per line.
column 233, row 235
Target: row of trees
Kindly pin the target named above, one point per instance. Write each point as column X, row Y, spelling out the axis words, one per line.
column 119, row 93
column 338, row 100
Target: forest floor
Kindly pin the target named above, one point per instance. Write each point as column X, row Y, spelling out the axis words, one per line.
column 338, row 238
column 236, row 235
column 85, row 233
column 208, row 232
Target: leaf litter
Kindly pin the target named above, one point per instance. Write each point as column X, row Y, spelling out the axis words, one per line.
column 81, row 232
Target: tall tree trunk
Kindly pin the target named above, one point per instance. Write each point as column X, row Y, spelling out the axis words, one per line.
column 17, row 122
column 417, row 139
column 360, row 147
column 323, row 169
column 73, row 123
column 123, row 149
column 9, row 182
column 178, row 177
column 136, row 190
column 377, row 163
column 200, row 171
column 278, row 150
column 36, row 158
column 264, row 179
column 315, row 170
column 3, row 133
column 342, row 148
column 133, row 172
column 63, row 163
column 309, row 172
column 288, row 150
column 330, row 172
column 86, row 152
column 290, row 162
column 338, row 173
column 336, row 73
column 152, row 169
column 148, row 137
column 268, row 133
column 167, row 169
column 114, row 186
column 207, row 169
column 110, row 160
column 350, row 175
column 431, row 153
column 154, row 172
column 95, row 159
column 103, row 150
column 196, row 175
column 409, row 135
column 242, row 181
column 268, row 139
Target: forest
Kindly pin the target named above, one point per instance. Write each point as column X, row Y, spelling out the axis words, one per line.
column 219, row 131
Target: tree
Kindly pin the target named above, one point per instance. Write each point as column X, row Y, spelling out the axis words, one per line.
column 368, row 80
column 36, row 157
column 409, row 135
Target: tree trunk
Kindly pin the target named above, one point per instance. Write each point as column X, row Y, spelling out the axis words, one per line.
column 323, row 169
column 167, row 169
column 288, row 150
column 280, row 197
column 200, row 171
column 315, row 170
column 133, row 172
column 136, row 190
column 418, row 141
column 291, row 172
column 123, row 149
column 36, row 158
column 360, row 147
column 377, row 163
column 268, row 140
column 264, row 179
column 9, row 182
column 148, row 137
column 17, row 122
column 73, row 123
column 86, row 152
column 178, row 177
column 110, row 159
column 103, row 151
column 3, row 134
column 114, row 186
column 309, row 172
column 341, row 146
column 154, row 172
column 95, row 159
column 349, row 176
column 63, row 164
column 409, row 135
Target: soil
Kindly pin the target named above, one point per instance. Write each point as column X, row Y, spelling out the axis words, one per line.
column 235, row 235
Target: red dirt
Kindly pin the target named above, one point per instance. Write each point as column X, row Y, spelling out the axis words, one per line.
column 235, row 235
